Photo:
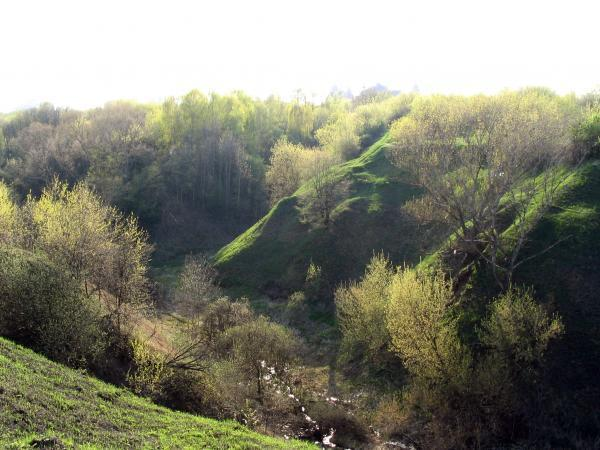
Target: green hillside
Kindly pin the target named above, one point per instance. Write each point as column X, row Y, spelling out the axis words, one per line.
column 44, row 404
column 567, row 279
column 367, row 218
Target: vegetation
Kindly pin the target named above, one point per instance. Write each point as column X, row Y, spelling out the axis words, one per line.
column 44, row 403
column 426, row 275
column 368, row 192
column 44, row 308
column 477, row 158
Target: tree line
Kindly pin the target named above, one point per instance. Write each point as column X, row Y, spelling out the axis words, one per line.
column 225, row 157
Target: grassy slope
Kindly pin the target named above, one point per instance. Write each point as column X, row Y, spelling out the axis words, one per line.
column 368, row 218
column 41, row 399
column 567, row 278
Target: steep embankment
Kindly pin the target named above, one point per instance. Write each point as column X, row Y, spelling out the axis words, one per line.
column 567, row 279
column 368, row 217
column 45, row 404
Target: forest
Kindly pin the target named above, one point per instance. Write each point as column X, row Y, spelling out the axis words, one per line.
column 380, row 270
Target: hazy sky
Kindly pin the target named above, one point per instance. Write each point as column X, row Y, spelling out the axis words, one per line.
column 84, row 53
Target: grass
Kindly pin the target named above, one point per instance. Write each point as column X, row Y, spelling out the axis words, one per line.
column 567, row 276
column 41, row 400
column 367, row 218
column 566, row 280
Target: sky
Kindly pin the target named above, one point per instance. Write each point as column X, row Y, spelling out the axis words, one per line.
column 81, row 54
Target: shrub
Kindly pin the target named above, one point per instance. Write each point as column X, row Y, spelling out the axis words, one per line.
column 422, row 330
column 191, row 391
column 361, row 309
column 197, row 285
column 9, row 217
column 350, row 432
column 587, row 134
column 103, row 249
column 296, row 311
column 261, row 348
column 147, row 371
column 518, row 330
column 44, row 308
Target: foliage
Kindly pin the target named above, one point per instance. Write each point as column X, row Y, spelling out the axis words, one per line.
column 9, row 217
column 189, row 163
column 361, row 311
column 326, row 190
column 587, row 133
column 422, row 329
column 290, row 166
column 482, row 158
column 518, row 329
column 260, row 347
column 477, row 388
column 147, row 371
column 44, row 308
column 197, row 285
column 103, row 249
column 279, row 248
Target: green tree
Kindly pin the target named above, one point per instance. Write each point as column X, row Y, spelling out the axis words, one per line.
column 10, row 228
column 261, row 347
column 517, row 332
column 103, row 249
column 197, row 286
column 422, row 330
column 361, row 309
column 481, row 158
column 43, row 307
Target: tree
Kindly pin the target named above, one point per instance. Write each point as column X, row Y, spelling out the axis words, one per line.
column 587, row 133
column 507, row 381
column 72, row 227
column 341, row 137
column 201, row 341
column 287, row 169
column 422, row 330
column 518, row 330
column 124, row 269
column 9, row 217
column 197, row 286
column 37, row 148
column 361, row 309
column 261, row 346
column 103, row 249
column 43, row 307
column 325, row 186
column 483, row 160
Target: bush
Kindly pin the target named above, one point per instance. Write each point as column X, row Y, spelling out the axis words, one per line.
column 296, row 311
column 361, row 311
column 147, row 371
column 422, row 330
column 587, row 135
column 190, row 391
column 197, row 286
column 260, row 349
column 350, row 432
column 44, row 308
column 9, row 217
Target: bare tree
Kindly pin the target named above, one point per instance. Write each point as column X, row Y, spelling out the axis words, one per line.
column 197, row 286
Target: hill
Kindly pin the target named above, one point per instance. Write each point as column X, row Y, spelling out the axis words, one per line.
column 368, row 217
column 567, row 279
column 44, row 404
